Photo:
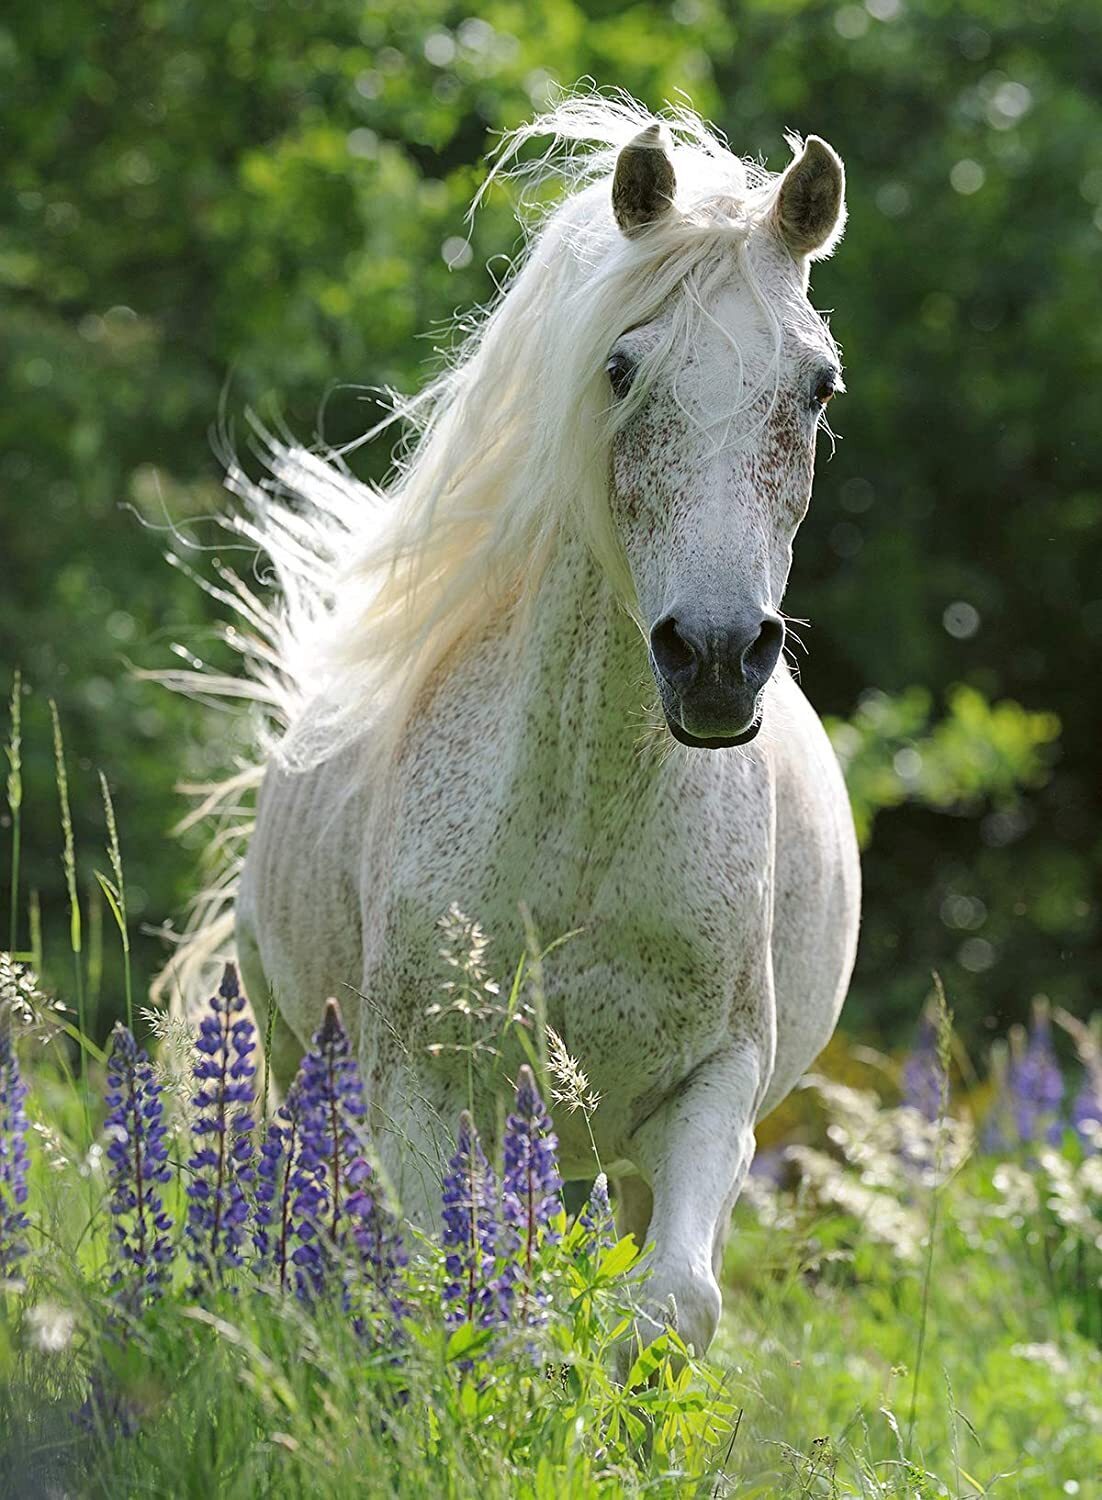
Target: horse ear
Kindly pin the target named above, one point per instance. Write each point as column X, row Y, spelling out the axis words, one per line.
column 644, row 181
column 810, row 210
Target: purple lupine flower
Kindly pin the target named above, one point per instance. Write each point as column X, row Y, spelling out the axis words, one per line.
column 923, row 1077
column 13, row 1157
column 530, row 1190
column 105, row 1411
column 770, row 1166
column 272, row 1221
column 222, row 1162
column 336, row 1218
column 998, row 1126
column 137, row 1157
column 1036, row 1084
column 380, row 1256
column 596, row 1217
column 470, row 1232
column 531, row 1183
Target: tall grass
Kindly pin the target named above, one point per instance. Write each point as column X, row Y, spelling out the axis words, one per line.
column 14, row 787
column 809, row 1390
column 115, row 892
column 944, row 1033
column 891, row 1266
column 76, row 939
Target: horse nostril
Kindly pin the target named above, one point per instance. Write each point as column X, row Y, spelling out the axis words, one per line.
column 760, row 656
column 676, row 654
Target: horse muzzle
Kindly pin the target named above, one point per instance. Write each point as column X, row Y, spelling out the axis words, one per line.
column 711, row 676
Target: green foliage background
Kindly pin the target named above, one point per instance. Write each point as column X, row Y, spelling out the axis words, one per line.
column 203, row 207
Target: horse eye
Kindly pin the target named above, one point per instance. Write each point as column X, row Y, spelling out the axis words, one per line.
column 827, row 385
column 621, row 372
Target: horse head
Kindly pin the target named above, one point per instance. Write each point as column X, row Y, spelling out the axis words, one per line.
column 716, row 402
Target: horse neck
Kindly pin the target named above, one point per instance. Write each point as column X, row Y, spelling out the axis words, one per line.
column 582, row 669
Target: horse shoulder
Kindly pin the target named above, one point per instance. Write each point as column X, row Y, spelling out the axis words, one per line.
column 816, row 900
column 298, row 904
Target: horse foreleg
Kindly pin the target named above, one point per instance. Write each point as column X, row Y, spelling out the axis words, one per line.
column 634, row 1206
column 695, row 1151
column 412, row 1123
column 279, row 1043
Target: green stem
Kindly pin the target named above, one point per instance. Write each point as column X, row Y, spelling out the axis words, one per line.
column 944, row 1049
column 15, row 801
column 13, row 930
column 75, row 939
column 269, row 1032
column 470, row 1063
column 592, row 1140
column 927, row 1277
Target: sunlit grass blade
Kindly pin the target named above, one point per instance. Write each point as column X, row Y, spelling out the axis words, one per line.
column 269, row 1036
column 944, row 1024
column 84, row 1043
column 34, row 919
column 94, row 967
column 76, row 943
column 15, row 799
column 115, row 892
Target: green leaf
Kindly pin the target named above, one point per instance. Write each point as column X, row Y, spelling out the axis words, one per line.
column 619, row 1258
column 466, row 1341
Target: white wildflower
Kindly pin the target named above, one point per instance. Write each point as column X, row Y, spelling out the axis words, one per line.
column 1017, row 1190
column 53, row 1147
column 50, row 1327
column 22, row 998
column 474, row 996
column 573, row 1084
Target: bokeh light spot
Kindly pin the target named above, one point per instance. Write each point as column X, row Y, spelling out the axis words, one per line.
column 439, row 49
column 961, row 620
column 967, row 176
column 363, row 143
column 976, row 955
column 851, row 21
column 893, row 199
column 456, row 252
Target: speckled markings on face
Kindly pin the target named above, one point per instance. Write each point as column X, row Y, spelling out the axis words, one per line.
column 711, row 474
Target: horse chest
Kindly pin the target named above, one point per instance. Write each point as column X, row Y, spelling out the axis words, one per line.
column 664, row 886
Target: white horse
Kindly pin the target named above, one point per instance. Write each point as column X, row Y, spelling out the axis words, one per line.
column 544, row 671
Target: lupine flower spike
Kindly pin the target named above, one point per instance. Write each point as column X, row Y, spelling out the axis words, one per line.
column 222, row 1162
column 273, row 1225
column 596, row 1217
column 470, row 1232
column 337, row 1220
column 531, row 1186
column 1036, row 1083
column 13, row 1157
column 137, row 1156
column 998, row 1127
column 922, row 1075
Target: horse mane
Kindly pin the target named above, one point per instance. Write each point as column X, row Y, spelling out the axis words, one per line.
column 373, row 588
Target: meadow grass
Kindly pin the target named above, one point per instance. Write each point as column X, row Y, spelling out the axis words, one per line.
column 906, row 1314
column 806, row 1392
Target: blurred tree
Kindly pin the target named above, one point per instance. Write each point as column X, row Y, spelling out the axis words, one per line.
column 204, row 207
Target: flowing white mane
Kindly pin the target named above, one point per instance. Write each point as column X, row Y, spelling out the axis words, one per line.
column 375, row 587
